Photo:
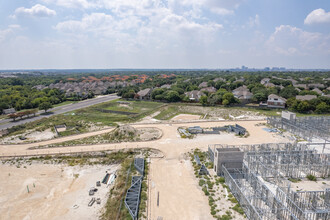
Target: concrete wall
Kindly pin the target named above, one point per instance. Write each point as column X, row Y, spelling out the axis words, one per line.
column 288, row 115
column 230, row 157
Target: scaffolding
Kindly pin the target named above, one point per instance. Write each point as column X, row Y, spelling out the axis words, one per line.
column 132, row 199
column 308, row 128
column 263, row 190
column 272, row 147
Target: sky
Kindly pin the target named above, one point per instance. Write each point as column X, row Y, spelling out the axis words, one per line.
column 92, row 34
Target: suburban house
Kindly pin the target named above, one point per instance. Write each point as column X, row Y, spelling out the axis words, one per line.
column 292, row 80
column 305, row 97
column 242, row 93
column 318, row 91
column 194, row 95
column 269, row 84
column 218, row 79
column 144, row 94
column 316, row 85
column 239, row 80
column 265, row 81
column 166, row 86
column 304, row 86
column 275, row 101
column 202, row 85
column 209, row 89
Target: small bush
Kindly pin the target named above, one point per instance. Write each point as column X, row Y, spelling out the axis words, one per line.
column 205, row 191
column 201, row 182
column 294, row 180
column 238, row 209
column 311, row 177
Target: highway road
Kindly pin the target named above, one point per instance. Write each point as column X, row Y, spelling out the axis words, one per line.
column 8, row 123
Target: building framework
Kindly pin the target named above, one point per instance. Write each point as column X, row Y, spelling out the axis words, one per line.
column 262, row 187
column 132, row 199
column 308, row 128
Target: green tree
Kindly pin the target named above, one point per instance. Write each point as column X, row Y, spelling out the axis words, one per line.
column 225, row 102
column 172, row 96
column 288, row 92
column 260, row 97
column 45, row 106
column 322, row 108
column 303, row 107
column 229, row 97
column 211, row 83
column 203, row 100
column 157, row 92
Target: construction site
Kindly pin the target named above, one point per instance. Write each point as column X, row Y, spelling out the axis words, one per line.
column 263, row 177
column 272, row 173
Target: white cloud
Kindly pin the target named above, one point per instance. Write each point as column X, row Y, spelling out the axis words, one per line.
column 35, row 11
column 288, row 40
column 222, row 11
column 221, row 7
column 72, row 3
column 254, row 21
column 8, row 31
column 317, row 16
column 142, row 27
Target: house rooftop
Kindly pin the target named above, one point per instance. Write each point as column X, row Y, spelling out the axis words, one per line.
column 305, row 97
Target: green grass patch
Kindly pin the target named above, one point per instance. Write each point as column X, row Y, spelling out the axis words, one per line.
column 172, row 110
column 79, row 121
column 133, row 106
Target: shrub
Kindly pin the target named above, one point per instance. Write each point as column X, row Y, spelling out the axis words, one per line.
column 238, row 209
column 311, row 177
column 205, row 191
column 201, row 182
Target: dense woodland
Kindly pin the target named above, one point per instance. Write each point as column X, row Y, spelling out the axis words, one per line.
column 19, row 92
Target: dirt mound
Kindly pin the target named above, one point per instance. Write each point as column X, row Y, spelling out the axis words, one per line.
column 125, row 130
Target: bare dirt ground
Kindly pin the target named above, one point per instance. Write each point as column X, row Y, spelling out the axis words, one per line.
column 185, row 117
column 149, row 118
column 31, row 136
column 180, row 196
column 307, row 185
column 56, row 191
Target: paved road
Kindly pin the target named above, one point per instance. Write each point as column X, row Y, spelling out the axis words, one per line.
column 8, row 123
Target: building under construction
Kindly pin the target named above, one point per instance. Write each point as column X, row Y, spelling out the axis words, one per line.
column 309, row 128
column 262, row 183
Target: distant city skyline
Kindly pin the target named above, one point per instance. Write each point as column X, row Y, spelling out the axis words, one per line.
column 159, row 34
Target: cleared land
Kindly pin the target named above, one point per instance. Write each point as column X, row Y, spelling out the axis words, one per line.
column 214, row 113
column 55, row 191
column 173, row 176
